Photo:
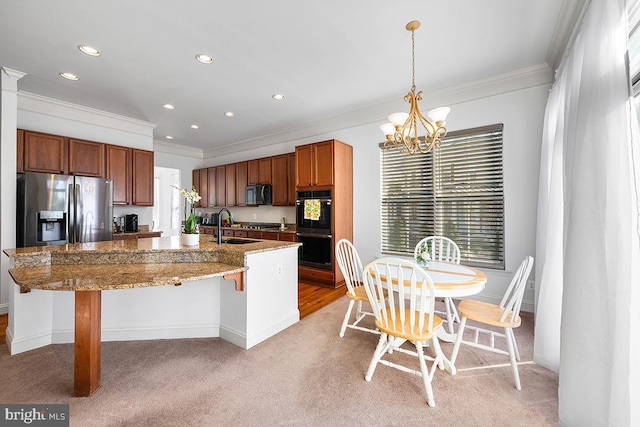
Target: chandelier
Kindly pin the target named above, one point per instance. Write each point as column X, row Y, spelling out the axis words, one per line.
column 402, row 132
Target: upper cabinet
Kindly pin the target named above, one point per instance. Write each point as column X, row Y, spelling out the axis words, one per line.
column 142, row 177
column 44, row 153
column 314, row 165
column 225, row 185
column 211, row 184
column 20, row 151
column 221, row 186
column 241, row 183
column 86, row 158
column 132, row 173
column 130, row 169
column 283, row 180
column 119, row 170
column 230, row 181
column 259, row 171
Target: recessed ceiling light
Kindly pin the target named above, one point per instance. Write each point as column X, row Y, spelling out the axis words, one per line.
column 229, row 114
column 169, row 137
column 89, row 50
column 168, row 106
column 205, row 59
column 194, row 126
column 278, row 96
column 69, row 76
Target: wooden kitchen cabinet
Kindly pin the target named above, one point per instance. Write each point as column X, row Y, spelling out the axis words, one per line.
column 241, row 183
column 19, row 151
column 259, row 171
column 211, row 184
column 314, row 165
column 280, row 193
column 118, row 168
column 253, row 234
column 283, row 180
column 287, row 237
column 328, row 165
column 230, row 184
column 45, row 153
column 199, row 180
column 221, row 186
column 142, row 177
column 86, row 158
column 291, row 178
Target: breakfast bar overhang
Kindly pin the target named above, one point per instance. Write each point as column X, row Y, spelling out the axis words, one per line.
column 254, row 288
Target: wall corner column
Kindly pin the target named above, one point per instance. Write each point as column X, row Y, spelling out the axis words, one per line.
column 8, row 124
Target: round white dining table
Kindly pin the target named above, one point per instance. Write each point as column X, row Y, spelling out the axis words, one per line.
column 454, row 281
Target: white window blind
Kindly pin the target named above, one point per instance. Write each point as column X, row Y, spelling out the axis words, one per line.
column 454, row 191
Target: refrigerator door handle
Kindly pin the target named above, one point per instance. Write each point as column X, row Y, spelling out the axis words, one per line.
column 71, row 215
column 78, row 214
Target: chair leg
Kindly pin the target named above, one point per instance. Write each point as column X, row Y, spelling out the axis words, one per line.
column 346, row 318
column 515, row 344
column 426, row 378
column 512, row 356
column 456, row 346
column 377, row 354
column 450, row 317
column 454, row 311
column 359, row 309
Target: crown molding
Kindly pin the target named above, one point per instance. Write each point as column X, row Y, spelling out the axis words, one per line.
column 496, row 85
column 61, row 109
column 177, row 150
column 13, row 74
column 567, row 25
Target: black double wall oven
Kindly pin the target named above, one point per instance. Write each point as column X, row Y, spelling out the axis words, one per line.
column 314, row 228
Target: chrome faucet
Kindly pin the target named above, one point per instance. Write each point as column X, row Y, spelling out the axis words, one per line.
column 219, row 236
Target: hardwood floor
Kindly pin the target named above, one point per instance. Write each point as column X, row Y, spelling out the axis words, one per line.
column 4, row 322
column 310, row 299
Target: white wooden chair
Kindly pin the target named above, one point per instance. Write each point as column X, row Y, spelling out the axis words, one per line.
column 351, row 267
column 442, row 249
column 506, row 316
column 405, row 314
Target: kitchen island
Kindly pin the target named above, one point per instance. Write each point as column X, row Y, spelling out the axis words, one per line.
column 258, row 300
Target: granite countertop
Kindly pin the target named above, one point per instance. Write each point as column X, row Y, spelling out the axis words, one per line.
column 121, row 264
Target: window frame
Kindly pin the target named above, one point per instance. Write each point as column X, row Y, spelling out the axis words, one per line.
column 474, row 188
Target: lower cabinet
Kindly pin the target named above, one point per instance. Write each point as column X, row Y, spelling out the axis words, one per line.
column 316, row 276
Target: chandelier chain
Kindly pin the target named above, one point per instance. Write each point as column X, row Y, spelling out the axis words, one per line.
column 413, row 61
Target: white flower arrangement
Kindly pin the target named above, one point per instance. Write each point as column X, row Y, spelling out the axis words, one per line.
column 424, row 256
column 191, row 223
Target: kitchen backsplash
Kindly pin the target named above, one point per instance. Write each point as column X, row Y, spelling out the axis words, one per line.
column 258, row 214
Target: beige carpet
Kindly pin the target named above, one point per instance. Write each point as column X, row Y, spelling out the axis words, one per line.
column 306, row 376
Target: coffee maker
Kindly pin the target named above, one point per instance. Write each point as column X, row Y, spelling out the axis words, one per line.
column 131, row 223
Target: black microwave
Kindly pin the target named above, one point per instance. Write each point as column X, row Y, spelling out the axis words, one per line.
column 258, row 194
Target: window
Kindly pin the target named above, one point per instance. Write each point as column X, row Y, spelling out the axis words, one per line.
column 454, row 191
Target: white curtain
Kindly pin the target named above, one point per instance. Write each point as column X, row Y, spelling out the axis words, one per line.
column 588, row 246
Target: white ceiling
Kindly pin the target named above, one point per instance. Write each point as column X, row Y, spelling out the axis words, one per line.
column 327, row 57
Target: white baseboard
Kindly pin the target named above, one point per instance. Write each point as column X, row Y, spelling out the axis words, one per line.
column 27, row 343
column 244, row 341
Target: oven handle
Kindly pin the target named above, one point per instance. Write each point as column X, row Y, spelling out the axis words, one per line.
column 327, row 201
column 320, row 236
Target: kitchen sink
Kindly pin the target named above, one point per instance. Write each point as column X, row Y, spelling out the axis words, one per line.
column 239, row 241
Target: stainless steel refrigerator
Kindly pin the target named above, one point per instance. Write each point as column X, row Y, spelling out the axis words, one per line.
column 57, row 209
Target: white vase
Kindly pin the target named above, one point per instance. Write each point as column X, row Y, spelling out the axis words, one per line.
column 189, row 239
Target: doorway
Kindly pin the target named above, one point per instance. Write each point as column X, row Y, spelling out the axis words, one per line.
column 166, row 208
